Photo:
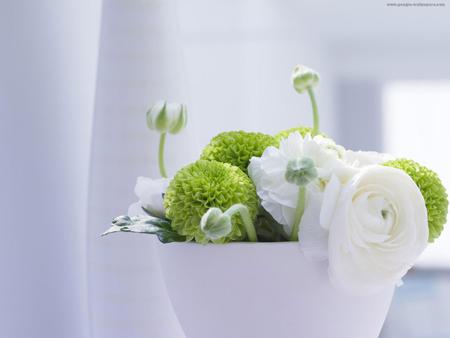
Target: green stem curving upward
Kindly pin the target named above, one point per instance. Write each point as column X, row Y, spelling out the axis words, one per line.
column 315, row 129
column 162, row 167
column 246, row 219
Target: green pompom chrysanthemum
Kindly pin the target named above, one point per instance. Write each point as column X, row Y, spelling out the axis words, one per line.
column 302, row 130
column 203, row 185
column 237, row 147
column 432, row 190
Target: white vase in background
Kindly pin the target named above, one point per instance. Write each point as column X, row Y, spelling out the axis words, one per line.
column 263, row 290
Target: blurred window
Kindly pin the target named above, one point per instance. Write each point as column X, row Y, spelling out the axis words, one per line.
column 416, row 125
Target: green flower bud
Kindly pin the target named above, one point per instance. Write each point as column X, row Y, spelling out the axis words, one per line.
column 167, row 117
column 215, row 224
column 301, row 171
column 179, row 119
column 157, row 118
column 304, row 78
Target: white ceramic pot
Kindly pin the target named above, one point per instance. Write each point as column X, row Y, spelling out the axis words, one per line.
column 263, row 290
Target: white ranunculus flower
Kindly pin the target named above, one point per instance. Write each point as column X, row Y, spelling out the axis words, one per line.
column 151, row 195
column 359, row 159
column 278, row 196
column 377, row 229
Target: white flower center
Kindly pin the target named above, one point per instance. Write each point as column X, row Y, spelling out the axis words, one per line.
column 300, row 171
column 375, row 215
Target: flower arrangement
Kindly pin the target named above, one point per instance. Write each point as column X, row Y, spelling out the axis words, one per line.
column 369, row 215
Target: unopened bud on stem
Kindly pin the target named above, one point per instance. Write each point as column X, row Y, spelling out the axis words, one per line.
column 304, row 78
column 215, row 224
column 167, row 117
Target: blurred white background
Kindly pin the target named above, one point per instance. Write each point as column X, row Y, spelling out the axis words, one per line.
column 76, row 78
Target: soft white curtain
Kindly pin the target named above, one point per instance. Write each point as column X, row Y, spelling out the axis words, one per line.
column 139, row 63
column 48, row 58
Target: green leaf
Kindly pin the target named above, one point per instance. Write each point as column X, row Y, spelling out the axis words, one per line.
column 147, row 225
column 269, row 230
column 165, row 236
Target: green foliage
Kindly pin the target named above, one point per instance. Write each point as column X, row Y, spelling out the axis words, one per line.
column 433, row 192
column 269, row 230
column 203, row 185
column 147, row 225
column 237, row 147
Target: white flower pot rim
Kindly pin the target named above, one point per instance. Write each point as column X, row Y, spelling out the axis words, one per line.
column 235, row 244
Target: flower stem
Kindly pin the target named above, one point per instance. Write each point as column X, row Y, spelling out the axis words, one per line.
column 162, row 167
column 246, row 219
column 298, row 213
column 315, row 130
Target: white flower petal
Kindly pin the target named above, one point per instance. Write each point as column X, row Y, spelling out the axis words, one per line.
column 255, row 171
column 330, row 198
column 361, row 159
column 150, row 193
column 285, row 194
column 313, row 238
column 275, row 210
column 292, row 146
column 272, row 162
